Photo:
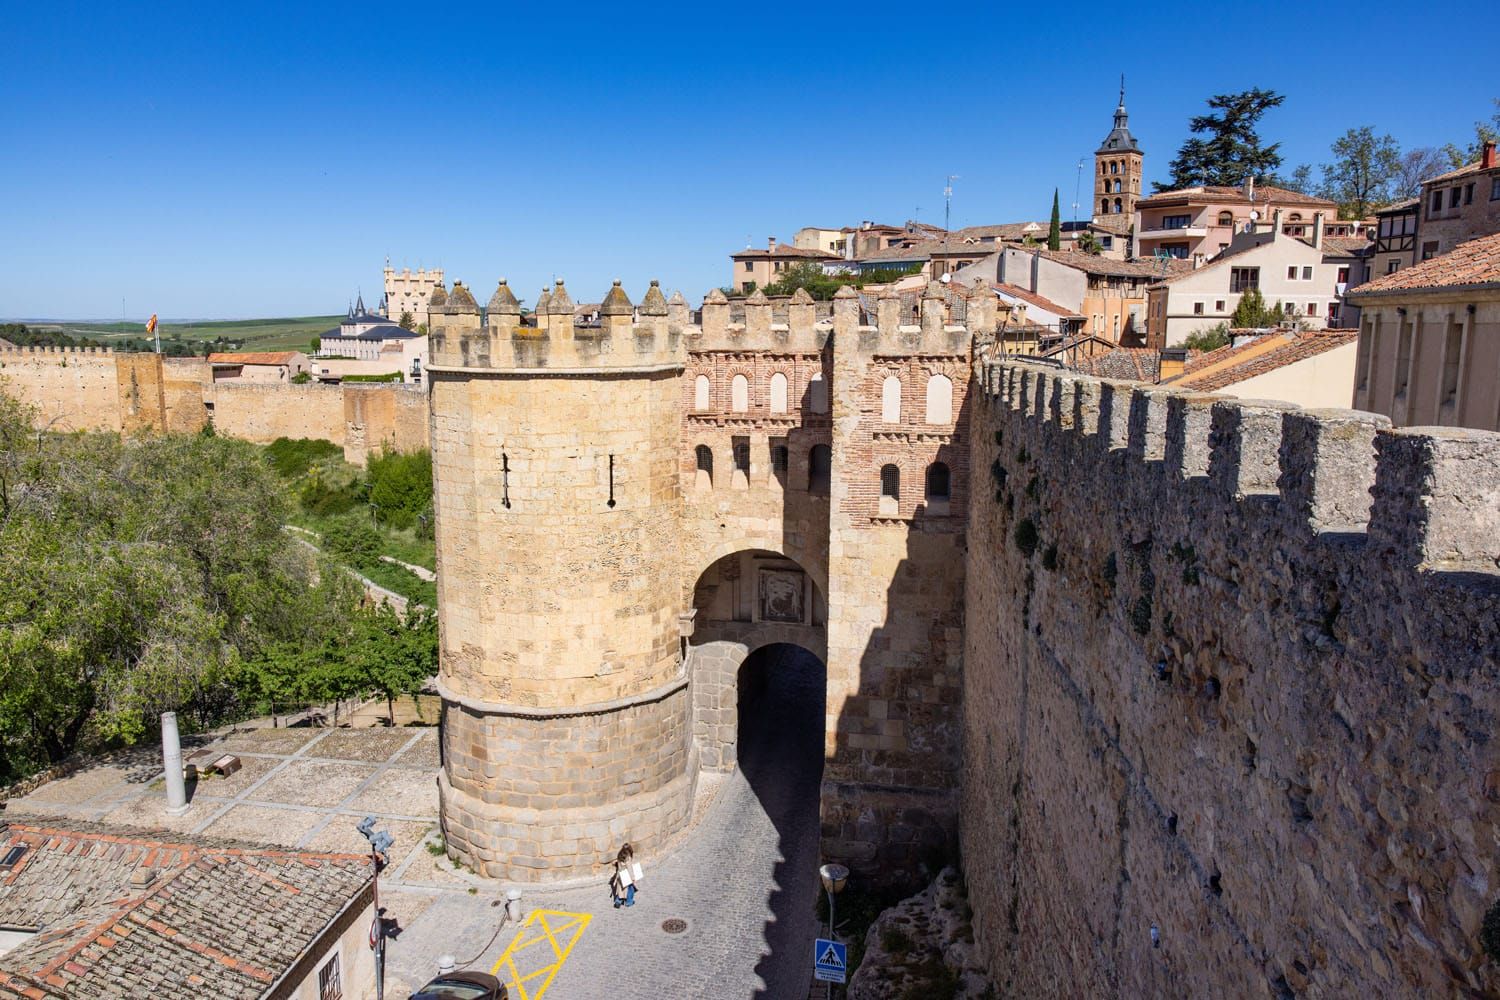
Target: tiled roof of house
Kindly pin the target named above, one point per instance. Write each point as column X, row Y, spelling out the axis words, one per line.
column 1093, row 264
column 1229, row 365
column 1477, row 167
column 216, row 919
column 254, row 358
column 1400, row 206
column 1032, row 298
column 1475, row 263
column 1345, row 246
column 1002, row 232
column 1134, row 364
column 784, row 250
column 1264, row 194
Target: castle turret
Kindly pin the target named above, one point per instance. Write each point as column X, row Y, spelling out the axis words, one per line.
column 555, row 465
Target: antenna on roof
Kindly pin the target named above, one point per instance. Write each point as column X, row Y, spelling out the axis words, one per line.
column 1077, row 186
column 948, row 201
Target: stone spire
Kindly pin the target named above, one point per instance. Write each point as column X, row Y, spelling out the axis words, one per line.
column 438, row 297
column 655, row 303
column 616, row 303
column 1119, row 139
column 503, row 302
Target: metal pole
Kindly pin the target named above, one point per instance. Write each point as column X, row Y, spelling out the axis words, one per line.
column 171, row 758
column 379, row 933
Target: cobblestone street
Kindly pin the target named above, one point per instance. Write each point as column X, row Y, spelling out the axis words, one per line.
column 745, row 881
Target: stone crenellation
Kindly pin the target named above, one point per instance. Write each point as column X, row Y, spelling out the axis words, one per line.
column 1229, row 694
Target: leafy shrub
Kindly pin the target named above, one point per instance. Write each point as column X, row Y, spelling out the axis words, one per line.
column 1210, row 338
column 401, row 485
column 354, row 539
column 292, row 457
column 388, row 377
column 321, row 499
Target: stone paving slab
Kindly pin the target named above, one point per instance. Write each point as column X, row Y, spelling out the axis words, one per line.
column 399, row 792
column 312, row 783
column 340, row 836
column 284, row 741
column 150, row 811
column 422, row 755
column 109, row 782
column 370, row 745
column 264, row 824
column 252, row 769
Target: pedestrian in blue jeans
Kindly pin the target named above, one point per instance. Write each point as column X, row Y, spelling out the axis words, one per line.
column 621, row 883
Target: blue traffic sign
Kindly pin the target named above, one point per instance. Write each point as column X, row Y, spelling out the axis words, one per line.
column 830, row 961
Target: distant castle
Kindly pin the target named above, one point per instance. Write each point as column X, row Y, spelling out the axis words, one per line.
column 409, row 291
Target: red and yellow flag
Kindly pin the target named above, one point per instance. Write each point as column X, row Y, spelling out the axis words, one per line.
column 151, row 324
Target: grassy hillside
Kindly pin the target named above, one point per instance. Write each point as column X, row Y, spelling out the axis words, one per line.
column 292, row 333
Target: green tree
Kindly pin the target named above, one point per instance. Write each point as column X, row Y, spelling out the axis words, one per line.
column 1089, row 243
column 401, row 485
column 1363, row 169
column 1484, row 131
column 1209, row 338
column 314, row 344
column 407, row 320
column 1229, row 151
column 1252, row 312
column 394, row 654
column 1054, row 234
column 1414, row 167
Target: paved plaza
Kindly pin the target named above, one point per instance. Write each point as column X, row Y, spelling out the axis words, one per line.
column 743, row 878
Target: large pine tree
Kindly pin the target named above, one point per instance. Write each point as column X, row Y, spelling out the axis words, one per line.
column 1225, row 148
column 1054, row 235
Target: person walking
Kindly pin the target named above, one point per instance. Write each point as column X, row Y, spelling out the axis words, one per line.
column 622, row 882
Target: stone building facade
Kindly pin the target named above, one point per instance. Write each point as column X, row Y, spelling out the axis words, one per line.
column 626, row 512
column 410, row 291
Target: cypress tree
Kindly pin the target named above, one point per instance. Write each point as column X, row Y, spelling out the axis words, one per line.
column 1054, row 235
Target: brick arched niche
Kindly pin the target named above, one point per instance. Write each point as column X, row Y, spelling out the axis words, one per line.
column 743, row 601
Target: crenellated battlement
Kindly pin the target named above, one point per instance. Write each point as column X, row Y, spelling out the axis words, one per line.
column 1428, row 497
column 660, row 331
column 48, row 352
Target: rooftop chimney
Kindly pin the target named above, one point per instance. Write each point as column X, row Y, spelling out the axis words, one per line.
column 1173, row 360
column 771, row 243
column 1250, row 188
column 1276, row 224
column 1487, row 158
column 1317, row 230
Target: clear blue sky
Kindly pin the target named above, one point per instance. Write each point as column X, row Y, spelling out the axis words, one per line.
column 235, row 160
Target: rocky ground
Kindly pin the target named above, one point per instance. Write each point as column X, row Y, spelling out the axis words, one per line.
column 923, row 947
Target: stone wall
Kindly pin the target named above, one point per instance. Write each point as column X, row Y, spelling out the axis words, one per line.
column 1229, row 695
column 72, row 389
column 263, row 413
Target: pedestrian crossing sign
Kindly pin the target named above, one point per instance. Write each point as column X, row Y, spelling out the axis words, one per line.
column 830, row 961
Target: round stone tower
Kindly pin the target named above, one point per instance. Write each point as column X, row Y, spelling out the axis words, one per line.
column 567, row 723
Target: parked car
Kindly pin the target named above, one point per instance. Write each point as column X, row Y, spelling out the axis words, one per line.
column 463, row 986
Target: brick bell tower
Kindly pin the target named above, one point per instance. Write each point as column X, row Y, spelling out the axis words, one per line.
column 567, row 723
column 1117, row 170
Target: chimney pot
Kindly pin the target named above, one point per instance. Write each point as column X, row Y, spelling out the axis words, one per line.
column 1487, row 158
column 771, row 242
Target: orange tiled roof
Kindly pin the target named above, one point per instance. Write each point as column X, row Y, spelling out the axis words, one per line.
column 1230, row 365
column 1264, row 194
column 1032, row 298
column 253, row 358
column 1471, row 264
column 1133, row 364
column 782, row 250
column 215, row 919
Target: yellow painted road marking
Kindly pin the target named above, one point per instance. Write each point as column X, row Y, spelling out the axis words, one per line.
column 560, row 930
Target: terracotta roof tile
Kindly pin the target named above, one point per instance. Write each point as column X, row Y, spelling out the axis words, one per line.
column 1133, row 364
column 783, row 250
column 1264, row 194
column 1230, row 365
column 1032, row 298
column 217, row 919
column 1476, row 262
column 254, row 358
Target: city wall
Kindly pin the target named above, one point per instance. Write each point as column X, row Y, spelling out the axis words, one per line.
column 1229, row 695
column 96, row 389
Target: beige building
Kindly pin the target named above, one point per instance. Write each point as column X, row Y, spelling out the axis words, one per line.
column 1460, row 205
column 1311, row 369
column 1429, row 340
column 1306, row 276
column 367, row 344
column 1199, row 223
column 754, row 269
column 834, row 241
column 409, row 291
column 258, row 366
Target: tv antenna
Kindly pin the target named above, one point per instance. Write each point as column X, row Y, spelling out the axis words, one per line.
column 1077, row 186
column 948, row 201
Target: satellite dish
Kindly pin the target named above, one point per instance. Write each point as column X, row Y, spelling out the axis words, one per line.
column 947, row 277
column 1254, row 215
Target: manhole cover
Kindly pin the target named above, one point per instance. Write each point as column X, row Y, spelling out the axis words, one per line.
column 674, row 925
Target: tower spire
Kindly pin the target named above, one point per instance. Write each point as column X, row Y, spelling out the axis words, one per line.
column 1122, row 90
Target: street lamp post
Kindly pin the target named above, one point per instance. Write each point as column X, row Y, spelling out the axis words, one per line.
column 833, row 877
column 380, row 843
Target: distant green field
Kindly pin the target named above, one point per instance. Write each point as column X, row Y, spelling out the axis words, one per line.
column 291, row 333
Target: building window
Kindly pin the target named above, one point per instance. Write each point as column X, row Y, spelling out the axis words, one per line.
column 890, row 491
column 742, row 456
column 1176, row 221
column 329, row 985
column 701, row 389
column 1343, row 276
column 1103, row 206
column 939, row 400
column 938, row 485
column 1114, row 167
column 1291, row 273
column 778, row 393
column 705, row 473
column 779, row 458
column 1429, row 249
column 1107, row 242
column 817, row 393
column 819, row 468
column 1294, row 217
column 1453, row 196
column 1307, row 274
column 1226, row 218
column 1118, row 204
column 1469, row 194
column 1435, row 205
column 890, row 400
column 1495, row 189
column 1312, row 308
column 1243, row 279
column 739, row 394
column 749, row 266
column 1117, row 187
column 1392, row 266
column 1197, row 308
column 1218, row 305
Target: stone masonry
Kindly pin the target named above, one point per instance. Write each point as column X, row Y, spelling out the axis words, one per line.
column 1229, row 695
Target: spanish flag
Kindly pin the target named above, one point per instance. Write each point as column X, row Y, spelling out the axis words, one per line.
column 151, row 324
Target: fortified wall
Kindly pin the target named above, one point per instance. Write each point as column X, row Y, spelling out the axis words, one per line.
column 1230, row 695
column 96, row 389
